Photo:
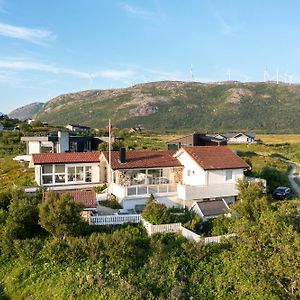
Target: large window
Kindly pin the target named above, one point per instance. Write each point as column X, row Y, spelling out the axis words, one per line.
column 61, row 174
column 148, row 177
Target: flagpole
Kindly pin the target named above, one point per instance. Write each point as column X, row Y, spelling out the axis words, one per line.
column 109, row 152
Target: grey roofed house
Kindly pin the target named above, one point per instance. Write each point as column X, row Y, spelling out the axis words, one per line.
column 195, row 139
column 210, row 208
column 238, row 137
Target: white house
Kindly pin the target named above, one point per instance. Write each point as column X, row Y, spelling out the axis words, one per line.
column 237, row 138
column 174, row 178
column 68, row 170
column 78, row 128
column 1, row 127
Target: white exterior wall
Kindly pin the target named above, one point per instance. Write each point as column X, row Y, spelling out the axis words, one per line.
column 63, row 142
column 34, row 147
column 37, row 173
column 197, row 175
column 95, row 172
column 219, row 176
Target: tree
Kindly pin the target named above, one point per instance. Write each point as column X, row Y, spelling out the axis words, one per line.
column 60, row 215
column 156, row 213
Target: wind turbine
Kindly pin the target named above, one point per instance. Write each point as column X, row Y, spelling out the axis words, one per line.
column 191, row 73
column 266, row 75
column 229, row 74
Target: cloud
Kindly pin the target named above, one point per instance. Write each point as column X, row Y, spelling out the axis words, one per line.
column 227, row 28
column 138, row 12
column 114, row 74
column 23, row 65
column 37, row 36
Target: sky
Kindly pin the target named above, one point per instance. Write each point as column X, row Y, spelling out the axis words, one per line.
column 52, row 47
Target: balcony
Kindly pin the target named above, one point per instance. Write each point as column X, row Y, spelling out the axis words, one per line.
column 189, row 192
column 136, row 191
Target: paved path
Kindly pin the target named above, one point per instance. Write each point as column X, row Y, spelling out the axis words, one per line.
column 291, row 176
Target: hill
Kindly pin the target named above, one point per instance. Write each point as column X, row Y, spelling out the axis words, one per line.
column 26, row 112
column 175, row 105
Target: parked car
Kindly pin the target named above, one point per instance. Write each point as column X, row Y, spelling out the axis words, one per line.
column 282, row 193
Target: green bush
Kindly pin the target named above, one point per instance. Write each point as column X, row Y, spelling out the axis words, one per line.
column 274, row 177
column 99, row 189
column 60, row 215
column 156, row 213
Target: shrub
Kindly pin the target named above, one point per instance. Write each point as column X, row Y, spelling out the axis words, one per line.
column 60, row 215
column 156, row 213
column 99, row 189
column 274, row 178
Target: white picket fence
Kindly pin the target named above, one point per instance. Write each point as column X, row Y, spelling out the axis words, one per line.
column 114, row 219
column 163, row 228
column 151, row 228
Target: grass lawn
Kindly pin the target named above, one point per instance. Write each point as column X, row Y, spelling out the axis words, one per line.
column 279, row 138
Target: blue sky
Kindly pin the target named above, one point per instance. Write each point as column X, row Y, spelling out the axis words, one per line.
column 51, row 47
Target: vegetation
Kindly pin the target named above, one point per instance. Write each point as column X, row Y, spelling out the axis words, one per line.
column 157, row 213
column 111, row 202
column 60, row 215
column 178, row 105
column 127, row 264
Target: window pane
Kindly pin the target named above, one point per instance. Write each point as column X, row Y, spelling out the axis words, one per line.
column 163, row 188
column 131, row 191
column 71, row 174
column 60, row 179
column 88, row 174
column 142, row 190
column 47, row 169
column 47, row 179
column 59, row 168
column 228, row 174
column 153, row 189
column 79, row 173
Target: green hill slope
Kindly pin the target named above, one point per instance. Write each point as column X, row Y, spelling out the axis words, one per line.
column 174, row 105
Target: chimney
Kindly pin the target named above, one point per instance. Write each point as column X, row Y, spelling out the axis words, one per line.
column 122, row 155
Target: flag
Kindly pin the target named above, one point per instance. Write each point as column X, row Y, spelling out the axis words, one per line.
column 110, row 133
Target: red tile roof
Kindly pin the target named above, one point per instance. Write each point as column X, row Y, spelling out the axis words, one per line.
column 87, row 198
column 67, row 157
column 144, row 159
column 216, row 157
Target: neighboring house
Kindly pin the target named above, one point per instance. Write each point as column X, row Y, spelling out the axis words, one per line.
column 195, row 139
column 208, row 209
column 1, row 127
column 30, row 121
column 174, row 178
column 60, row 142
column 237, row 138
column 78, row 128
column 135, row 129
column 66, row 170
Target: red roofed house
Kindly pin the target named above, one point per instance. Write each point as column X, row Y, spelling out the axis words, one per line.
column 191, row 173
column 68, row 169
column 173, row 177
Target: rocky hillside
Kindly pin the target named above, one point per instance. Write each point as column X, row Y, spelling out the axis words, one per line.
column 26, row 112
column 174, row 105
